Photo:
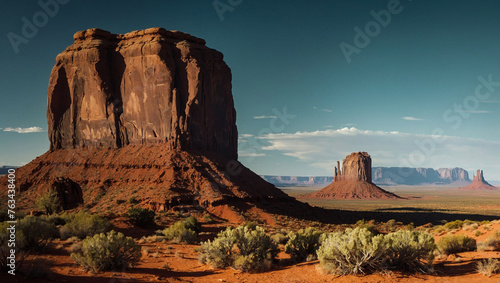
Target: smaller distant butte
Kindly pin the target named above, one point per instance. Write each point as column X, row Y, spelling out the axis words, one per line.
column 354, row 181
column 479, row 184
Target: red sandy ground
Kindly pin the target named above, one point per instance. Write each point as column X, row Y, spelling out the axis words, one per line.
column 55, row 265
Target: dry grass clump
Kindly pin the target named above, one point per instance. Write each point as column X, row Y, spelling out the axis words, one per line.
column 490, row 244
column 488, row 267
column 453, row 244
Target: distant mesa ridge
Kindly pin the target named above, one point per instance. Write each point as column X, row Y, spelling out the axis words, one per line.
column 384, row 176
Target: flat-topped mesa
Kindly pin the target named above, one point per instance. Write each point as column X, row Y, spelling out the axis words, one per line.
column 143, row 87
column 356, row 167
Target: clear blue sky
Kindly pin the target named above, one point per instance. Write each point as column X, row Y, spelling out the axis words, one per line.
column 404, row 85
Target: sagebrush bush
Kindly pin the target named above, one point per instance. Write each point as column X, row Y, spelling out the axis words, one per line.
column 409, row 251
column 367, row 225
column 457, row 224
column 141, row 216
column 184, row 231
column 21, row 251
column 353, row 251
column 219, row 252
column 49, row 202
column 490, row 244
column 242, row 248
column 32, row 233
column 84, row 224
column 453, row 244
column 279, row 238
column 303, row 243
column 110, row 251
column 488, row 266
column 35, row 232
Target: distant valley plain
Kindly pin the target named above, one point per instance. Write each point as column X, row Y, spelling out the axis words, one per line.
column 419, row 199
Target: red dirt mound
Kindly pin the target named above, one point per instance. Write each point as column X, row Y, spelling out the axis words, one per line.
column 353, row 190
column 157, row 178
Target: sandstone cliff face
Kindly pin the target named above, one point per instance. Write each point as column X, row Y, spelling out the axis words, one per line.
column 148, row 115
column 454, row 174
column 355, row 167
column 143, row 87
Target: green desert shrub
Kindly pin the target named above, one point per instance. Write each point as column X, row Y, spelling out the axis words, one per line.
column 250, row 225
column 353, row 251
column 490, row 244
column 83, row 224
column 56, row 219
column 35, row 232
column 304, row 243
column 219, row 252
column 488, row 266
column 21, row 251
column 241, row 248
column 457, row 224
column 367, row 225
column 141, row 216
column 49, row 202
column 279, row 238
column 32, row 233
column 110, row 251
column 409, row 251
column 453, row 244
column 184, row 231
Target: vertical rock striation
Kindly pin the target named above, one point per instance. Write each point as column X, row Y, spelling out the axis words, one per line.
column 143, row 87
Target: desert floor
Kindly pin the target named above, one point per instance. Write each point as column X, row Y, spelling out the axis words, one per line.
column 167, row 262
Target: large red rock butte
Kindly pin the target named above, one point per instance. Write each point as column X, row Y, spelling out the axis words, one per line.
column 150, row 115
column 479, row 184
column 354, row 181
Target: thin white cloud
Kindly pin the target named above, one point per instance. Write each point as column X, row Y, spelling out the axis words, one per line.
column 264, row 117
column 322, row 109
column 328, row 127
column 489, row 101
column 24, row 130
column 412, row 119
column 251, row 154
column 349, row 125
column 391, row 149
column 246, row 135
